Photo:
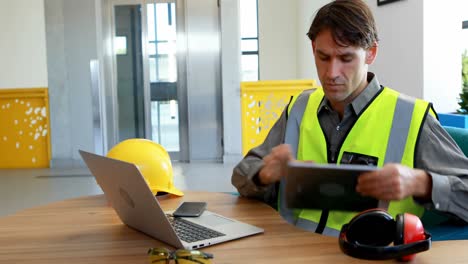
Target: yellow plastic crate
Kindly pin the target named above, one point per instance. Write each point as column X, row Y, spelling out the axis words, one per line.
column 24, row 128
column 261, row 105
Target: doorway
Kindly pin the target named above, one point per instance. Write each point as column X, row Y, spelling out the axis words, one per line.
column 166, row 71
column 162, row 50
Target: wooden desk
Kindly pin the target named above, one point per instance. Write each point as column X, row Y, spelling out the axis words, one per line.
column 86, row 230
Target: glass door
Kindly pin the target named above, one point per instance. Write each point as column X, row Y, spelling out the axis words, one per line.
column 152, row 77
column 129, row 69
column 161, row 49
column 146, row 72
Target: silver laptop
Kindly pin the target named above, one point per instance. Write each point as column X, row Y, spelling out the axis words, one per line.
column 130, row 196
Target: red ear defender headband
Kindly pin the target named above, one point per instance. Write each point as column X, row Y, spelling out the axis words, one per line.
column 368, row 235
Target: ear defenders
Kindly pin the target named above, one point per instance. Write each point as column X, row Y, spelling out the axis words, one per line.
column 368, row 235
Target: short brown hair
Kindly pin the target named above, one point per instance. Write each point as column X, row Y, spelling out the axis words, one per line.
column 350, row 21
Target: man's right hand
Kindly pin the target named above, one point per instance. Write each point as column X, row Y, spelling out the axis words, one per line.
column 275, row 164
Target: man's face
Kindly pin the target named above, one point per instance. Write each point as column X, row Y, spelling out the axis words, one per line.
column 341, row 70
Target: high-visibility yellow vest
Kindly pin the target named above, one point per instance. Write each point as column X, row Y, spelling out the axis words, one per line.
column 371, row 135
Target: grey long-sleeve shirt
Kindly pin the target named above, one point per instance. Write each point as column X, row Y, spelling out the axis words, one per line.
column 436, row 153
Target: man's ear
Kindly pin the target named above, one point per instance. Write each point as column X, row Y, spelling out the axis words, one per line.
column 313, row 47
column 371, row 53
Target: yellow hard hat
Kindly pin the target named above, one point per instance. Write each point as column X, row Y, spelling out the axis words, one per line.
column 152, row 160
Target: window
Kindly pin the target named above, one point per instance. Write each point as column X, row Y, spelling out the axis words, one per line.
column 162, row 42
column 120, row 43
column 249, row 40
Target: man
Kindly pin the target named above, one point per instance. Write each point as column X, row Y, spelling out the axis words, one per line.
column 354, row 117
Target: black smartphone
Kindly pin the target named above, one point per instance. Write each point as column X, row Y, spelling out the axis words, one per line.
column 190, row 209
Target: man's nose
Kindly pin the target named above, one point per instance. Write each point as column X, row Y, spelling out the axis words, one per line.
column 333, row 69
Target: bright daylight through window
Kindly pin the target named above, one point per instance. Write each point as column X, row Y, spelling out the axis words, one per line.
column 249, row 42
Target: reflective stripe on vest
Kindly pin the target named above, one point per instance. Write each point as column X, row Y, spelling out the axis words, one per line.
column 400, row 136
column 295, row 113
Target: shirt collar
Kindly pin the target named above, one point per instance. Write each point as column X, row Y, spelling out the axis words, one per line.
column 363, row 99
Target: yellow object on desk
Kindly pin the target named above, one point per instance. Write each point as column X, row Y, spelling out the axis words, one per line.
column 24, row 128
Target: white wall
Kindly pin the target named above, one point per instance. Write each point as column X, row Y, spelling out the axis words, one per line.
column 442, row 53
column 277, row 24
column 306, row 11
column 23, row 61
column 420, row 51
column 399, row 63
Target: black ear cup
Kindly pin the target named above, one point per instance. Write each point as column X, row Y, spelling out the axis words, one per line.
column 374, row 228
column 369, row 235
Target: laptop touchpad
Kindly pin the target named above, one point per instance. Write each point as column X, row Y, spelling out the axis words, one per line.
column 213, row 220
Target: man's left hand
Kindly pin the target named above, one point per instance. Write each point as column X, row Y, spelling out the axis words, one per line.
column 395, row 182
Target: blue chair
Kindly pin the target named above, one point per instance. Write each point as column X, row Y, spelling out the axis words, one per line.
column 438, row 225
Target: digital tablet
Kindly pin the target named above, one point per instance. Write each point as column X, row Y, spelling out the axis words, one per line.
column 326, row 186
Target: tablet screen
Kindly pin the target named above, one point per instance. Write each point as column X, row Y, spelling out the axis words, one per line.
column 326, row 186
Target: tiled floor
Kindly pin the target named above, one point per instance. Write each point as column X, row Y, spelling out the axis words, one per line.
column 20, row 189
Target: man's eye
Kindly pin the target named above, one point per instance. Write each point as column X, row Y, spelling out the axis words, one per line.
column 347, row 59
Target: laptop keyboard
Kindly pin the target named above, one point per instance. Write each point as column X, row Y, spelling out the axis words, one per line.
column 191, row 232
